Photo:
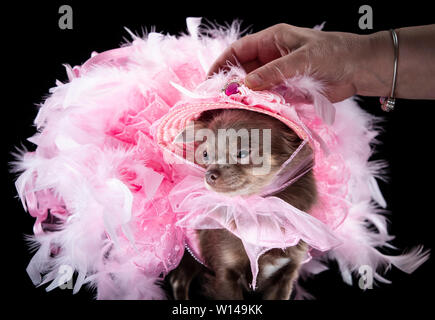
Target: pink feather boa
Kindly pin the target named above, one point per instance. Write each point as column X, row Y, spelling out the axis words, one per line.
column 98, row 182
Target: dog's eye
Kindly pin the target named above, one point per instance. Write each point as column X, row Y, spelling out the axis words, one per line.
column 205, row 155
column 242, row 154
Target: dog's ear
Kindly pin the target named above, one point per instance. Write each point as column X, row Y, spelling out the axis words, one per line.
column 187, row 135
column 289, row 139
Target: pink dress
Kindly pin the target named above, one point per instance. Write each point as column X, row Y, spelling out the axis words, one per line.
column 115, row 200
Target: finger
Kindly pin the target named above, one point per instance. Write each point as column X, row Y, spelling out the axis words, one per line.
column 241, row 51
column 252, row 65
column 276, row 71
column 259, row 48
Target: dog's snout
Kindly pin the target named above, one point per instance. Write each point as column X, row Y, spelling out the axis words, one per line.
column 211, row 176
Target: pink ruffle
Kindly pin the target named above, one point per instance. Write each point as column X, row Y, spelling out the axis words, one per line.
column 261, row 223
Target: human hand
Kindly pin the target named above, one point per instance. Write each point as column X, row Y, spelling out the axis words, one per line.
column 346, row 63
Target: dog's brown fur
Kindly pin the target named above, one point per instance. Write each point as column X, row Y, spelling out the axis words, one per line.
column 229, row 271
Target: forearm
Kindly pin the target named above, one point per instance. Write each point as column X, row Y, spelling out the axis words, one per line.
column 416, row 64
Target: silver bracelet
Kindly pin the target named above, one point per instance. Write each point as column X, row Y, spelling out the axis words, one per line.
column 387, row 104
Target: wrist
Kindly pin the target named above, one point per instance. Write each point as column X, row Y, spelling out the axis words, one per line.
column 374, row 66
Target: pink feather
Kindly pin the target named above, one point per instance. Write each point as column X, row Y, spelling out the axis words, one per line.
column 99, row 174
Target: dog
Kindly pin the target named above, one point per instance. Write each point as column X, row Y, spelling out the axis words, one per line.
column 228, row 272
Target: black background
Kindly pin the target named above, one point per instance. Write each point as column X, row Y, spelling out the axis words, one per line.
column 36, row 48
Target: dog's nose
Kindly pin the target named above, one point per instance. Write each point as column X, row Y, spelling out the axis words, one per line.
column 211, row 176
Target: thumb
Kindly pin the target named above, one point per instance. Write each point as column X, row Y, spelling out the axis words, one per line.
column 275, row 72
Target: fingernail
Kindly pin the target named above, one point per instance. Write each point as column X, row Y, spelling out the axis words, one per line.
column 253, row 80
